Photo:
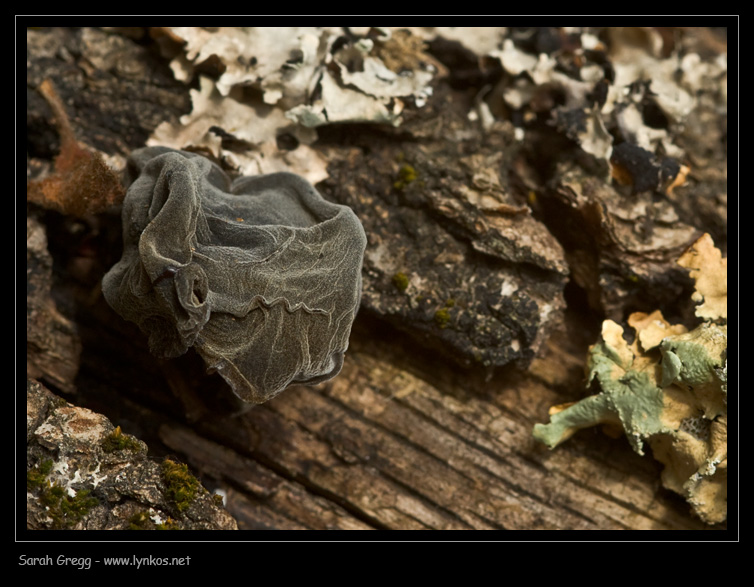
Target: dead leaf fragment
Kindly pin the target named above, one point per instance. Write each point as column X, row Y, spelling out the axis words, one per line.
column 82, row 183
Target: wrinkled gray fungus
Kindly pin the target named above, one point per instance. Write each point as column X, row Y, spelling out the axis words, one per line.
column 261, row 275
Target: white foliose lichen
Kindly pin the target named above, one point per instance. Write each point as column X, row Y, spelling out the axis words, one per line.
column 269, row 83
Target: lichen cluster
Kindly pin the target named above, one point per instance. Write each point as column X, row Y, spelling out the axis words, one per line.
column 667, row 388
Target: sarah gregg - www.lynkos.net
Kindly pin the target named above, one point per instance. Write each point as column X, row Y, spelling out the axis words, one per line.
column 86, row 562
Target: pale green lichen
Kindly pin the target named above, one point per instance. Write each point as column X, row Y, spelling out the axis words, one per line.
column 667, row 389
column 694, row 358
column 630, row 397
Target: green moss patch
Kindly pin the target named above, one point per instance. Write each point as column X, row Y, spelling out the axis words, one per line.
column 182, row 486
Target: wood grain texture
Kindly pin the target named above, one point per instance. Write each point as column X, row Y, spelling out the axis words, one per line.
column 398, row 441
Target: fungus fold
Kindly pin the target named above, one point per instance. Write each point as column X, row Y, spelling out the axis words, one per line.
column 261, row 275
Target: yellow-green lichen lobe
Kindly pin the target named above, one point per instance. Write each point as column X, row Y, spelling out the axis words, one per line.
column 671, row 367
column 565, row 422
column 697, row 355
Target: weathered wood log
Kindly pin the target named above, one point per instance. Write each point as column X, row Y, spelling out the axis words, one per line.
column 404, row 437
